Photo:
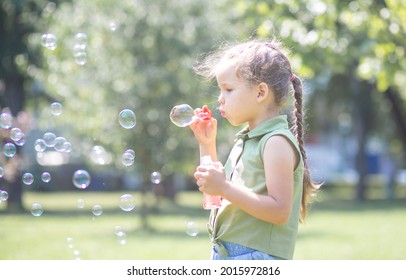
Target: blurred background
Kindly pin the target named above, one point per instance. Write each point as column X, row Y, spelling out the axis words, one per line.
column 69, row 69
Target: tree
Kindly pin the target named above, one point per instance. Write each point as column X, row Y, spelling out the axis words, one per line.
column 13, row 84
column 103, row 56
column 359, row 44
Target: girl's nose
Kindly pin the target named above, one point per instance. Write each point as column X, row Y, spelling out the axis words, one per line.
column 221, row 99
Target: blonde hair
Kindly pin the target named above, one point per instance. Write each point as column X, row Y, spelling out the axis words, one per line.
column 265, row 61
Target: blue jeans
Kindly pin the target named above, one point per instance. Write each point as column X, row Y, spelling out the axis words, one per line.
column 239, row 252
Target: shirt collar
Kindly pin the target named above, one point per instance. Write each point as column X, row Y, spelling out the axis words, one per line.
column 278, row 122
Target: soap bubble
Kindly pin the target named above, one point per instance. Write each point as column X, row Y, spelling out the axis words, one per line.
column 1, row 172
column 6, row 120
column 40, row 145
column 117, row 229
column 97, row 210
column 80, row 57
column 192, row 228
column 36, row 209
column 16, row 134
column 59, row 144
column 98, row 154
column 128, row 157
column 9, row 150
column 182, row 115
column 76, row 253
column 49, row 139
column 3, row 195
column 81, row 40
column 49, row 41
column 56, row 108
column 80, row 203
column 122, row 237
column 127, row 202
column 21, row 141
column 81, row 179
column 112, row 25
column 156, row 177
column 67, row 147
column 69, row 242
column 127, row 118
column 28, row 178
column 46, row 177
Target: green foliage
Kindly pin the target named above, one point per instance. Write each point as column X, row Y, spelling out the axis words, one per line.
column 139, row 56
column 330, row 37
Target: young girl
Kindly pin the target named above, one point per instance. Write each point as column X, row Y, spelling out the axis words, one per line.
column 265, row 185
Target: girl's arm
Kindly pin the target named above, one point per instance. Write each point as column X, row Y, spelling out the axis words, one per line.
column 279, row 163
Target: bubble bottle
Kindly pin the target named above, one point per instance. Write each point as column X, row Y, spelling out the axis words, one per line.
column 209, row 201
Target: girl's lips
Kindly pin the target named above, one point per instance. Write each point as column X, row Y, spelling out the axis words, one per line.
column 222, row 112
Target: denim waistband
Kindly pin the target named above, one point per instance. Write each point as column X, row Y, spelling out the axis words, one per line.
column 226, row 249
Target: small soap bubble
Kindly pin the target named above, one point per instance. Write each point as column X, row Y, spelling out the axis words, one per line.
column 80, row 203
column 56, row 108
column 112, row 26
column 40, row 145
column 49, row 139
column 98, row 155
column 76, row 253
column 9, row 150
column 1, row 172
column 127, row 119
column 6, row 120
column 127, row 202
column 192, row 228
column 59, row 144
column 182, row 115
column 36, row 209
column 28, row 178
column 20, row 142
column 81, row 40
column 80, row 57
column 69, row 242
column 117, row 229
column 127, row 158
column 16, row 134
column 122, row 237
column 3, row 195
column 97, row 210
column 67, row 147
column 156, row 177
column 81, row 179
column 49, row 41
column 46, row 177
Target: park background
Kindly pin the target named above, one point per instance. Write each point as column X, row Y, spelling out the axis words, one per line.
column 139, row 55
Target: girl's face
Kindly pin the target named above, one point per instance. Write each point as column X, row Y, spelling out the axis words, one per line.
column 238, row 103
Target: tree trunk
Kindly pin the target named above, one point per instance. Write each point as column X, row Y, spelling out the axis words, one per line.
column 363, row 110
column 398, row 115
column 14, row 100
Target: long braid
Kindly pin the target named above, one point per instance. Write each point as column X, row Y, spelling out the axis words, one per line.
column 297, row 129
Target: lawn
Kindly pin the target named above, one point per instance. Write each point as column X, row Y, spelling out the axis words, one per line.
column 336, row 229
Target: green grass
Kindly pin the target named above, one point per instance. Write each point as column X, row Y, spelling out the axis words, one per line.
column 336, row 229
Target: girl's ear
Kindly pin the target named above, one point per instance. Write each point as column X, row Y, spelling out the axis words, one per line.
column 262, row 92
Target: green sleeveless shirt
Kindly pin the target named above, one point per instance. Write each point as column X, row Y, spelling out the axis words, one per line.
column 245, row 168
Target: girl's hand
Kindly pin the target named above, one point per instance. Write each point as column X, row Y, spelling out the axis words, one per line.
column 211, row 179
column 204, row 127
